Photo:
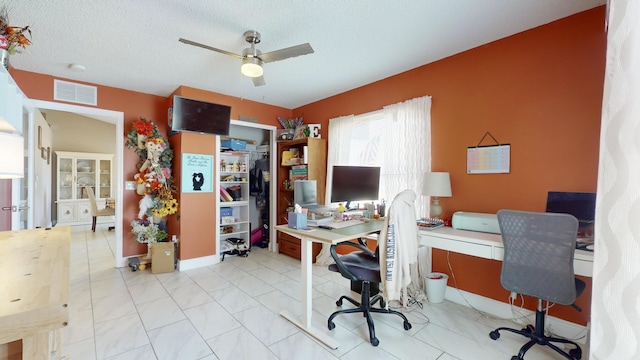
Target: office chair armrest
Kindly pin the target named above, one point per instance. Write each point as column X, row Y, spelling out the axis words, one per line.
column 344, row 270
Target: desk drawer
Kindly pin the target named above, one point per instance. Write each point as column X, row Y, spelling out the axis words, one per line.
column 459, row 246
column 289, row 245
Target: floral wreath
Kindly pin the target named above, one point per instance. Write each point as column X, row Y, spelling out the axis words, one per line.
column 154, row 180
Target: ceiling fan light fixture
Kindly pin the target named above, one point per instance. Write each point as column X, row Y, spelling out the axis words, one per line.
column 252, row 67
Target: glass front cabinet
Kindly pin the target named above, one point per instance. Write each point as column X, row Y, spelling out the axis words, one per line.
column 75, row 171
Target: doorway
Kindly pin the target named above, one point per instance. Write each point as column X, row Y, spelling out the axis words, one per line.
column 109, row 116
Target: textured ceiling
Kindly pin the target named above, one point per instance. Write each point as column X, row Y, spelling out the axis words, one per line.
column 133, row 44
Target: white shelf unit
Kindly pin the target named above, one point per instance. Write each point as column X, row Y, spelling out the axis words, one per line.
column 74, row 171
column 234, row 174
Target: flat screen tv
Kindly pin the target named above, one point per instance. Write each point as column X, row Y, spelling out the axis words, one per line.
column 200, row 116
column 355, row 183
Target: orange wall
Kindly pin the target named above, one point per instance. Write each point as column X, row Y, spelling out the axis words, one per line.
column 540, row 91
column 135, row 105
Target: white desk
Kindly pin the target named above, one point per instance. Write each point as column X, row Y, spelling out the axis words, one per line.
column 332, row 237
column 488, row 246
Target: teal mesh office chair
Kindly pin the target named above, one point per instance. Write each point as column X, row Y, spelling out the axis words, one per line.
column 538, row 261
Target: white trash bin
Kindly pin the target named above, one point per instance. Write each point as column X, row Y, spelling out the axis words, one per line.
column 436, row 285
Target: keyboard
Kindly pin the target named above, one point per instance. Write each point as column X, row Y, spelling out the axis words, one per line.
column 343, row 224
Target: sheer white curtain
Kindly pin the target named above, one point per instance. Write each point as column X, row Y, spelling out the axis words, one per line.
column 615, row 329
column 398, row 140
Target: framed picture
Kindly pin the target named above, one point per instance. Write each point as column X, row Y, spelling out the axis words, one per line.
column 301, row 132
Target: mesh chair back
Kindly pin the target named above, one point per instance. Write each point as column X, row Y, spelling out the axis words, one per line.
column 538, row 254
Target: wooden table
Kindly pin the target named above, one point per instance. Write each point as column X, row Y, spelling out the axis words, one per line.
column 34, row 273
column 307, row 237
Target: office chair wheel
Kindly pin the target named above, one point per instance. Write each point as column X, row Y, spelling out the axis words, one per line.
column 339, row 302
column 529, row 329
column 331, row 325
column 375, row 341
column 407, row 325
column 515, row 358
column 576, row 353
column 494, row 335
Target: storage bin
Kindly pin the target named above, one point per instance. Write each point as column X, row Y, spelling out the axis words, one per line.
column 234, row 144
column 226, row 211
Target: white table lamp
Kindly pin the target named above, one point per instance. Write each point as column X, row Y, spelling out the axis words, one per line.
column 436, row 184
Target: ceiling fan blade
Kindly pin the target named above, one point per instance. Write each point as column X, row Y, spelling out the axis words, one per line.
column 302, row 49
column 258, row 81
column 189, row 42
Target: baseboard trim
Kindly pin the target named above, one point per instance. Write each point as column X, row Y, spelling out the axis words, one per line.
column 500, row 309
column 195, row 263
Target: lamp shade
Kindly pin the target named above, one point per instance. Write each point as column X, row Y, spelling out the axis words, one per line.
column 12, row 160
column 436, row 184
column 252, row 67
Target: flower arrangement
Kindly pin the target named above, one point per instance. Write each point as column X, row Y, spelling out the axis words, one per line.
column 12, row 37
column 146, row 232
column 154, row 180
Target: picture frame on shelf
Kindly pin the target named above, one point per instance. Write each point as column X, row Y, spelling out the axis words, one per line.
column 301, row 132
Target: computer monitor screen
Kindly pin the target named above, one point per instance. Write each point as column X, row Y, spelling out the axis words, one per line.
column 305, row 192
column 582, row 205
column 355, row 183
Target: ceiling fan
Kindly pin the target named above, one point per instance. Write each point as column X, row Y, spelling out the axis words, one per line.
column 252, row 58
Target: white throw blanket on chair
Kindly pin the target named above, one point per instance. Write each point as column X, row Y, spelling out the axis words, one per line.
column 398, row 247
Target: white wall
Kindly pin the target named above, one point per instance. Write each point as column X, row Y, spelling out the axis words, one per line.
column 42, row 191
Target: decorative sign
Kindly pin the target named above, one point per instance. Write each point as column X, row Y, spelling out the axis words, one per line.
column 494, row 159
column 197, row 173
column 314, row 130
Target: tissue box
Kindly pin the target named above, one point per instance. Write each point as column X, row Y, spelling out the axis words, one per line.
column 297, row 220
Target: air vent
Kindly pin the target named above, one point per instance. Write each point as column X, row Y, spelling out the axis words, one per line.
column 76, row 93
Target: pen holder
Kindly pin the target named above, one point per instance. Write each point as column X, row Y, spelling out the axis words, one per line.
column 297, row 220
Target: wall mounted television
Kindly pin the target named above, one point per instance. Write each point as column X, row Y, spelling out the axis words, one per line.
column 355, row 183
column 200, row 116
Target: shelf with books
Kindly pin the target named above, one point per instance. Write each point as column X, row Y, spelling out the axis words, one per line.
column 234, row 196
column 300, row 159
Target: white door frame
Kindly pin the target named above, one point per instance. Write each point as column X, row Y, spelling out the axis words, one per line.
column 109, row 116
column 273, row 205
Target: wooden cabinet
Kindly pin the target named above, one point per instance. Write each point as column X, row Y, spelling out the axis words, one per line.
column 234, row 211
column 75, row 171
column 311, row 152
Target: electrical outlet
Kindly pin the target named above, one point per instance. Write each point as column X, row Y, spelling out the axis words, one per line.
column 513, row 295
column 129, row 185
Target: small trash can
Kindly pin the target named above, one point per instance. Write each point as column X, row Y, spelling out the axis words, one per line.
column 436, row 285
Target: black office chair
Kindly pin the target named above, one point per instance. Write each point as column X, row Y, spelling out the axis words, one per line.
column 538, row 261
column 363, row 266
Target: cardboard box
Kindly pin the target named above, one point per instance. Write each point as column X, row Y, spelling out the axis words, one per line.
column 162, row 257
column 297, row 220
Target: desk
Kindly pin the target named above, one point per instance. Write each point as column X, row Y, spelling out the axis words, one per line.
column 307, row 237
column 34, row 272
column 488, row 246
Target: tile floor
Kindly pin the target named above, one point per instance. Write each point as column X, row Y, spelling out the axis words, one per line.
column 230, row 311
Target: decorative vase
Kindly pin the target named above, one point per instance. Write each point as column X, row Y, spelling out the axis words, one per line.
column 141, row 141
column 4, row 58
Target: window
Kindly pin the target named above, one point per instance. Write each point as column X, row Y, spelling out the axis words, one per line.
column 397, row 138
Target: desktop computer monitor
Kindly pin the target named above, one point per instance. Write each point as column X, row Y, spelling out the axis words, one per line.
column 305, row 192
column 354, row 183
column 582, row 205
